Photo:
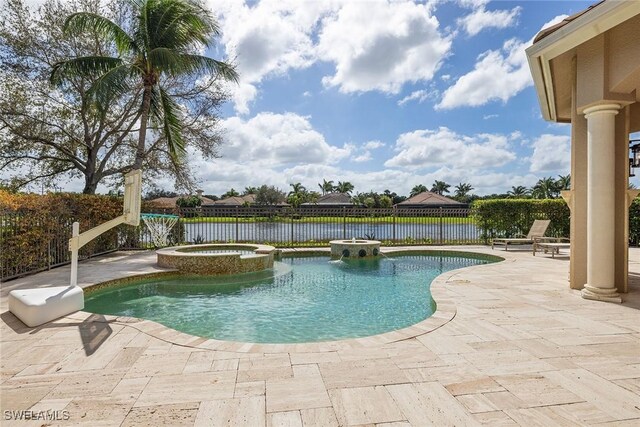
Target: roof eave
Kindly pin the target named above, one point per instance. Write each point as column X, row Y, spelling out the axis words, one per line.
column 539, row 55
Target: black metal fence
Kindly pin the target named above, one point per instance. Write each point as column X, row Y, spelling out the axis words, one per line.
column 304, row 227
column 29, row 243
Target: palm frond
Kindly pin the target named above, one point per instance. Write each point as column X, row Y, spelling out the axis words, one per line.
column 83, row 22
column 180, row 24
column 165, row 113
column 113, row 84
column 82, row 66
column 180, row 63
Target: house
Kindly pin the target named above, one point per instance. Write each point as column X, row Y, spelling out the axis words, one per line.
column 170, row 202
column 427, row 199
column 248, row 199
column 586, row 71
column 331, row 200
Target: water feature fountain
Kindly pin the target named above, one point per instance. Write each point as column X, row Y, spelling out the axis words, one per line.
column 354, row 248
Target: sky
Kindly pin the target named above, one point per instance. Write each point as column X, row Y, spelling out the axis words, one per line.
column 383, row 94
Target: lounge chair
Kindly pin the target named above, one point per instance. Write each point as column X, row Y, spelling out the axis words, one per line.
column 538, row 229
column 553, row 244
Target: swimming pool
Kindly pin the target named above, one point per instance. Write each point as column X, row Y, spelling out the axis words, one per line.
column 302, row 299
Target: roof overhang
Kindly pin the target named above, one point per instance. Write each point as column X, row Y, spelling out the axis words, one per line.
column 585, row 27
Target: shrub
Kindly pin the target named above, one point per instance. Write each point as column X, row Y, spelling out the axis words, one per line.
column 35, row 229
column 634, row 222
column 512, row 217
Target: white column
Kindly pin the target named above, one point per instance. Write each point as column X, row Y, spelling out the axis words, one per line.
column 601, row 203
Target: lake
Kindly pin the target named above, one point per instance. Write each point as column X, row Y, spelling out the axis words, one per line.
column 305, row 231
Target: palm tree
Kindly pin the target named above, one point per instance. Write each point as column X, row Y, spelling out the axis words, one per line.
column 440, row 187
column 518, row 192
column 564, row 182
column 297, row 188
column 326, row 186
column 463, row 189
column 417, row 190
column 249, row 190
column 230, row 193
column 545, row 188
column 158, row 44
column 344, row 187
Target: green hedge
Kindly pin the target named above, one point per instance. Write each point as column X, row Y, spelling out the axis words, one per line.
column 510, row 217
column 513, row 217
column 634, row 222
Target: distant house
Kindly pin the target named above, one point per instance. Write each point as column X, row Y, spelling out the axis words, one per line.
column 331, row 200
column 427, row 199
column 170, row 202
column 248, row 199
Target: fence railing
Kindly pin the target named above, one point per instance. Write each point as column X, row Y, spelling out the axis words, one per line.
column 29, row 243
column 297, row 227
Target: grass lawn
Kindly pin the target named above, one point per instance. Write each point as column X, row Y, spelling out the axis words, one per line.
column 335, row 219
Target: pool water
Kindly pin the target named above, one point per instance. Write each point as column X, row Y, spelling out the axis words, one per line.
column 302, row 299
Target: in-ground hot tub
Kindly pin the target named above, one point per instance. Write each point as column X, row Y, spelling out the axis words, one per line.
column 217, row 259
column 354, row 248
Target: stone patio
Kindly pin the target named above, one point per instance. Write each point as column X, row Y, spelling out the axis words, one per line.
column 511, row 344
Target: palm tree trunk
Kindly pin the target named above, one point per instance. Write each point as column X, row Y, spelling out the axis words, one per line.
column 144, row 119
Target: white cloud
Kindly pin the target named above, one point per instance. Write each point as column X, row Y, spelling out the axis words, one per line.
column 481, row 19
column 419, row 95
column 365, row 154
column 266, row 39
column 277, row 139
column 364, row 157
column 372, row 145
column 489, row 116
column 428, row 148
column 243, row 94
column 551, row 153
column 498, row 75
column 381, row 45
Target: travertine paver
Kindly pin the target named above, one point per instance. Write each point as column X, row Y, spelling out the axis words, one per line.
column 509, row 345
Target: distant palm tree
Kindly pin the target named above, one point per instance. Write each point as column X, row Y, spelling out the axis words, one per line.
column 344, row 187
column 230, row 193
column 297, row 188
column 249, row 190
column 326, row 186
column 440, row 187
column 463, row 189
column 417, row 190
column 564, row 182
column 313, row 196
column 160, row 42
column 545, row 188
column 519, row 191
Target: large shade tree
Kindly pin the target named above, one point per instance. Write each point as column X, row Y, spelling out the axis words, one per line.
column 50, row 134
column 158, row 44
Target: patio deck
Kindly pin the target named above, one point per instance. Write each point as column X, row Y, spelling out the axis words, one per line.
column 516, row 346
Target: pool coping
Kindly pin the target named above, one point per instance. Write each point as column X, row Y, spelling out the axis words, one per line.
column 445, row 312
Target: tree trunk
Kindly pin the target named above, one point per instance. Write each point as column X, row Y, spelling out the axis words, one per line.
column 144, row 119
column 89, row 186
